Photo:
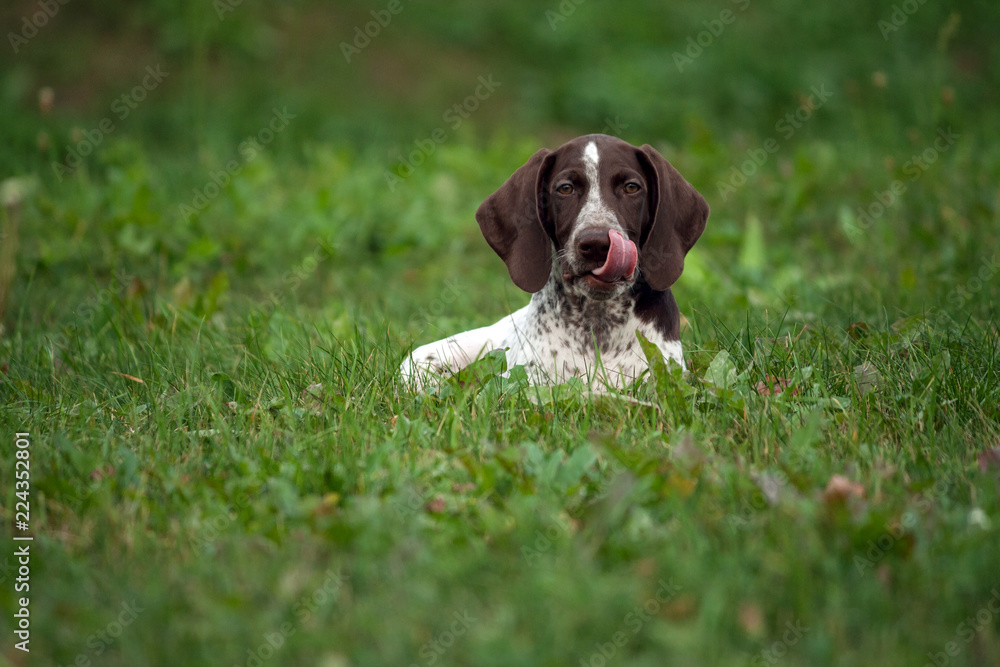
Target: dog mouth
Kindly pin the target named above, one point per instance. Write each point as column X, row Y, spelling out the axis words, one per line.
column 618, row 267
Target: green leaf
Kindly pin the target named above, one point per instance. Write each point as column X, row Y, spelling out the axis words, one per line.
column 810, row 433
column 668, row 381
column 575, row 467
column 721, row 372
column 480, row 372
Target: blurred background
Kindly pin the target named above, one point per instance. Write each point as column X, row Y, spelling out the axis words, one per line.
column 222, row 223
column 216, row 153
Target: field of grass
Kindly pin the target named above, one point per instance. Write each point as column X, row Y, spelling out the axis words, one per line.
column 202, row 311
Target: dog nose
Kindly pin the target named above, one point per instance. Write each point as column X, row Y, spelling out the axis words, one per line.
column 593, row 245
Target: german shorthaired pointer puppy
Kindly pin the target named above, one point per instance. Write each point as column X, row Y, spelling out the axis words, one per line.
column 597, row 231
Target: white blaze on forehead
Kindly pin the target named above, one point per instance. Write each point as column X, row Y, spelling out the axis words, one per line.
column 594, row 211
column 590, row 161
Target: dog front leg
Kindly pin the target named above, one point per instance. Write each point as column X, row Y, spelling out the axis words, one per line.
column 446, row 357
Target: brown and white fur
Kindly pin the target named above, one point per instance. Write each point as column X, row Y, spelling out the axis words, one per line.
column 597, row 230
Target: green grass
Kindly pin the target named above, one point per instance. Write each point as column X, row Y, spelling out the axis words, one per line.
column 226, row 471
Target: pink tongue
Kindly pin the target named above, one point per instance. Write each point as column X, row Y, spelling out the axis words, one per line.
column 621, row 261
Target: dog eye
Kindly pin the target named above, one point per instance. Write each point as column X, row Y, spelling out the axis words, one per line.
column 565, row 188
column 632, row 187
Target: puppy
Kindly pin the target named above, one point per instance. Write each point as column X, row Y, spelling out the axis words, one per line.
column 597, row 230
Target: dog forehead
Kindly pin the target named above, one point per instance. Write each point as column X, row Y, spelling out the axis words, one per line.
column 595, row 151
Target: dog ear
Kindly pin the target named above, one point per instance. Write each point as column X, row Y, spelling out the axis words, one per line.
column 677, row 218
column 512, row 221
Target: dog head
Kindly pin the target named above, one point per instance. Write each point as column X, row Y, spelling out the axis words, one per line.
column 611, row 211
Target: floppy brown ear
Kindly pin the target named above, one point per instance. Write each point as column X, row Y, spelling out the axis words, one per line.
column 677, row 218
column 511, row 220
